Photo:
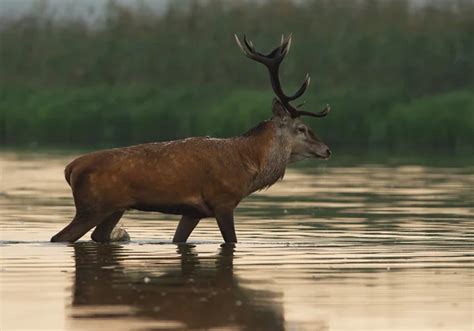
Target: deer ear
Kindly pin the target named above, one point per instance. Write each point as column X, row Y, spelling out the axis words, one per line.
column 278, row 109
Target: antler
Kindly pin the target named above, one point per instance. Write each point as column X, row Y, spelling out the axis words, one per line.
column 272, row 61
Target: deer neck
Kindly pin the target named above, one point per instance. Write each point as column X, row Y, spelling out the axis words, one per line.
column 267, row 155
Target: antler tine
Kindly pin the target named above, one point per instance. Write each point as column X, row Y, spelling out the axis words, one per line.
column 237, row 40
column 250, row 52
column 302, row 89
column 322, row 113
column 285, row 46
column 249, row 44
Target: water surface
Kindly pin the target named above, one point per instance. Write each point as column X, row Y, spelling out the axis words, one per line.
column 361, row 247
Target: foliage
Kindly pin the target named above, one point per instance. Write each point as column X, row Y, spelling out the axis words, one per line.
column 120, row 115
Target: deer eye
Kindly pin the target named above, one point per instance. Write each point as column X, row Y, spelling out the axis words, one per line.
column 301, row 129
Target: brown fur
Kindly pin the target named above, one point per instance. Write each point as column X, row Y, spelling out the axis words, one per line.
column 198, row 173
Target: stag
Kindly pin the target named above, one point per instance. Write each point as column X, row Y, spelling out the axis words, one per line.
column 196, row 177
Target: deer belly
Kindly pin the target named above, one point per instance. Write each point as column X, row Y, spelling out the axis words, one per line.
column 199, row 210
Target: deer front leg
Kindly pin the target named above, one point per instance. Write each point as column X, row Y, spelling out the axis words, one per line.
column 185, row 227
column 225, row 220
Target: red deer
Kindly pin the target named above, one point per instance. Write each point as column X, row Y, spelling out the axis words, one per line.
column 195, row 177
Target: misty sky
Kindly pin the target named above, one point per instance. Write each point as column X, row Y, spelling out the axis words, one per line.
column 93, row 9
column 90, row 9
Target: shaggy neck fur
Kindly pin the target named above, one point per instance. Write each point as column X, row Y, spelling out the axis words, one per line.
column 269, row 154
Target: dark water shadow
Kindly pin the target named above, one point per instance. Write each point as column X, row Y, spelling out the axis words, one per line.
column 198, row 292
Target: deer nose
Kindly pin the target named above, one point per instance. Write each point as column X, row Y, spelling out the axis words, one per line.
column 328, row 152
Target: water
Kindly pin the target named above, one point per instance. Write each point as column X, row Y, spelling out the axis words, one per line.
column 362, row 247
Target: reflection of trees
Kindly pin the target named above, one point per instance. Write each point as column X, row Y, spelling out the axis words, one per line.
column 190, row 292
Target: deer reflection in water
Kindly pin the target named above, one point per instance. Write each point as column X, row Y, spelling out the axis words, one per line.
column 187, row 291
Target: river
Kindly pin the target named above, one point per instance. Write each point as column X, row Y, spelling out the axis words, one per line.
column 362, row 246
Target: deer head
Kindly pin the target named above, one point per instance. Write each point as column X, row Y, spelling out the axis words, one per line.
column 304, row 142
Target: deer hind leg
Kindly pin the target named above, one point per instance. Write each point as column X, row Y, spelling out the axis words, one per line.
column 82, row 222
column 108, row 231
column 185, row 227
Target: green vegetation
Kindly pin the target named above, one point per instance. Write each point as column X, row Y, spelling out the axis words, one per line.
column 396, row 78
column 108, row 116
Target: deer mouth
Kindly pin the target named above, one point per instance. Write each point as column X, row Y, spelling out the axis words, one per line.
column 322, row 156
